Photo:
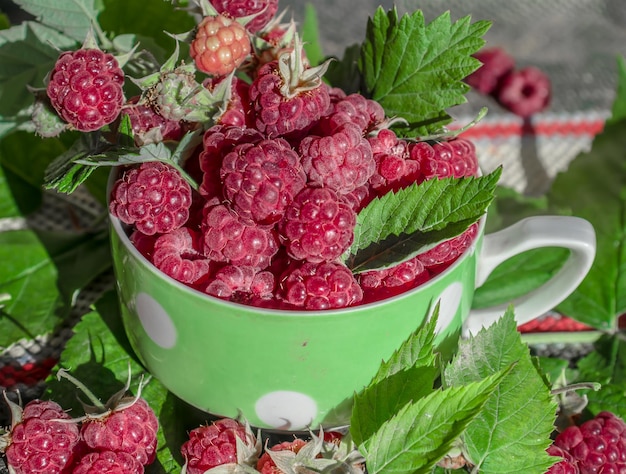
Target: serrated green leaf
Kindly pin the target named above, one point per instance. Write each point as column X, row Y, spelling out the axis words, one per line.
column 512, row 432
column 402, row 224
column 27, row 54
column 99, row 355
column 422, row 432
column 27, row 270
column 416, row 71
column 408, row 375
column 73, row 18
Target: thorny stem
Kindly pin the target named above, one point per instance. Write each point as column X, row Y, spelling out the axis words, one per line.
column 62, row 373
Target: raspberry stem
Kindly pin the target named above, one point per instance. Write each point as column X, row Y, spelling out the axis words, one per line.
column 595, row 386
column 62, row 373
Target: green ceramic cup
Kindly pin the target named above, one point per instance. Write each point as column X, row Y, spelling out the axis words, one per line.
column 288, row 370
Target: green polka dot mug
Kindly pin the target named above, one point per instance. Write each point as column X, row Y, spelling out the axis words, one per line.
column 289, row 370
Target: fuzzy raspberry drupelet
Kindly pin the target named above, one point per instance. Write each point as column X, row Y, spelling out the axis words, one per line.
column 212, row 445
column 260, row 180
column 524, row 92
column 153, row 196
column 342, row 161
column 178, row 255
column 219, row 46
column 496, row 64
column 318, row 226
column 226, row 238
column 130, row 429
column 596, row 446
column 40, row 444
column 319, row 286
column 85, row 88
column 109, row 462
column 265, row 10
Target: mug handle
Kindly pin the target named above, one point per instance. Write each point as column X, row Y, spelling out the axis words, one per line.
column 573, row 233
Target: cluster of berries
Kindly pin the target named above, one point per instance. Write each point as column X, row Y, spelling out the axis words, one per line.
column 524, row 91
column 232, row 445
column 118, row 438
column 285, row 165
column 596, row 446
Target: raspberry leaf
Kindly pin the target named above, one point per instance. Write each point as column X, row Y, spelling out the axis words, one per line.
column 409, row 374
column 424, row 430
column 403, row 224
column 416, row 70
column 512, row 431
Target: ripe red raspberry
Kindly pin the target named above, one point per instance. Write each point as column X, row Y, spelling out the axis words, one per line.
column 455, row 157
column 217, row 141
column 38, row 443
column 109, row 462
column 394, row 167
column 131, row 427
column 219, row 46
column 380, row 284
column 524, row 92
column 288, row 97
column 260, row 180
column 212, row 445
column 319, row 286
column 226, row 238
column 178, row 255
column 496, row 63
column 442, row 255
column 598, row 445
column 265, row 10
column 241, row 283
column 266, row 465
column 318, row 225
column 237, row 111
column 342, row 161
column 354, row 108
column 566, row 466
column 153, row 196
column 85, row 88
column 148, row 126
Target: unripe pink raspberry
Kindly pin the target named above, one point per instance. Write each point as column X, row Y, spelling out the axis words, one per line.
column 109, row 462
column 496, row 63
column 85, row 88
column 178, row 255
column 38, row 443
column 260, row 180
column 130, row 428
column 227, row 238
column 153, row 196
column 319, row 286
column 220, row 45
column 342, row 161
column 524, row 92
column 213, row 445
column 265, row 10
column 318, row 225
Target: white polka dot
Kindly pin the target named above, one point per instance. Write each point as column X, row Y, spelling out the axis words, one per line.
column 285, row 409
column 449, row 301
column 155, row 321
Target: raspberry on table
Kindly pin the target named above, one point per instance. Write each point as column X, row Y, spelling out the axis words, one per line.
column 153, row 196
column 42, row 440
column 219, row 46
column 598, row 445
column 318, row 225
column 178, row 255
column 85, row 88
column 342, row 161
column 319, row 286
column 496, row 63
column 261, row 179
column 109, row 462
column 264, row 10
column 524, row 92
column 227, row 238
column 215, row 444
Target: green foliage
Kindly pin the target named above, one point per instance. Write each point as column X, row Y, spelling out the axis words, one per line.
column 416, row 71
